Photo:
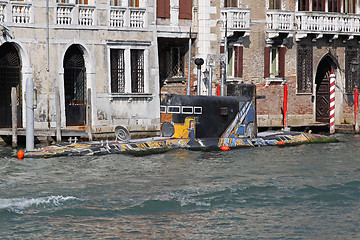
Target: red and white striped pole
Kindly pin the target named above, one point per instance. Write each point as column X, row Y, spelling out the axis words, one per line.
column 332, row 102
column 285, row 105
column 356, row 106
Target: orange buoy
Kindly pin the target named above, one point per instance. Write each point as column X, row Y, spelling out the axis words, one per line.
column 20, row 154
column 224, row 148
column 281, row 144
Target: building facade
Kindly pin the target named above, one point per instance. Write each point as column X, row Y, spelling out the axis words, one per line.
column 276, row 42
column 101, row 56
column 112, row 61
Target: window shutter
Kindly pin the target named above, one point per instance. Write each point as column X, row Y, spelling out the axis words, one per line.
column 282, row 62
column 267, row 62
column 238, row 61
column 163, row 8
column 185, row 9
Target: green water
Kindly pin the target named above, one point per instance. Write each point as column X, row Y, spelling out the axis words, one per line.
column 300, row 192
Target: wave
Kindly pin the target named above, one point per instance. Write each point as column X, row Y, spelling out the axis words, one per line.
column 245, row 196
column 21, row 205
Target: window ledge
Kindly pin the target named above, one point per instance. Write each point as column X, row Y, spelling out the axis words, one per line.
column 275, row 80
column 131, row 96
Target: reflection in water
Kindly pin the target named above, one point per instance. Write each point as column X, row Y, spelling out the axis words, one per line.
column 306, row 192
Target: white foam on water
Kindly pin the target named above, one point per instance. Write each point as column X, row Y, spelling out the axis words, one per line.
column 18, row 205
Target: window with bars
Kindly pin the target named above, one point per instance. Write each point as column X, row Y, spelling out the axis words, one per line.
column 304, row 69
column 117, row 70
column 175, row 62
column 137, row 71
column 351, row 69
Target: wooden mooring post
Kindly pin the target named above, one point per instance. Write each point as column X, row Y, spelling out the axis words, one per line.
column 88, row 113
column 14, row 116
column 58, row 115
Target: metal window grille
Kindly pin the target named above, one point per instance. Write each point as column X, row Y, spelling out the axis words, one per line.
column 304, row 69
column 74, row 75
column 137, row 71
column 351, row 69
column 175, row 62
column 117, row 71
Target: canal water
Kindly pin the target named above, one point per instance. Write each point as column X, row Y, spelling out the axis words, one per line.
column 298, row 192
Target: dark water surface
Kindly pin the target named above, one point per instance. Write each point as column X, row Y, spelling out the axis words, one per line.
column 301, row 192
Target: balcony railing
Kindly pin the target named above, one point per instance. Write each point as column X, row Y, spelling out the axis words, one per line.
column 235, row 19
column 327, row 23
column 70, row 14
column 64, row 15
column 279, row 21
column 2, row 11
column 137, row 17
column 117, row 17
column 86, row 15
column 20, row 12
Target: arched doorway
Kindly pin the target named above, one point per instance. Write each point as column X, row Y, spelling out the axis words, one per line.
column 10, row 76
column 322, row 82
column 75, row 86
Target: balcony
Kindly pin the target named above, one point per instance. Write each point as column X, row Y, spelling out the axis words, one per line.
column 16, row 12
column 278, row 23
column 121, row 17
column 70, row 14
column 334, row 24
column 236, row 20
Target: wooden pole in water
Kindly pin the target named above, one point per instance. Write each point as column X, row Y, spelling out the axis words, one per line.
column 332, row 102
column 356, row 106
column 58, row 115
column 88, row 113
column 14, row 116
column 285, row 105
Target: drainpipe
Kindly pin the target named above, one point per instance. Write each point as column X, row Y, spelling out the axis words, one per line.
column 47, row 34
column 356, row 105
column 188, row 90
column 224, row 69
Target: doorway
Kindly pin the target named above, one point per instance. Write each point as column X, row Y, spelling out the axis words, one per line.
column 75, row 87
column 10, row 76
column 322, row 82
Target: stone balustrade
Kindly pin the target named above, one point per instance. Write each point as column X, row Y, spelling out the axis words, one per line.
column 117, row 17
column 280, row 20
column 322, row 23
column 237, row 18
column 64, row 14
column 20, row 12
